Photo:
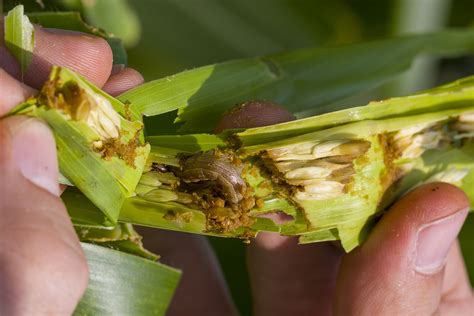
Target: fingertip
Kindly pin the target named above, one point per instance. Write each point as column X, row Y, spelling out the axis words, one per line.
column 88, row 55
column 123, row 80
column 254, row 114
column 8, row 63
column 433, row 200
column 31, row 150
column 426, row 204
column 269, row 241
column 12, row 92
column 407, row 249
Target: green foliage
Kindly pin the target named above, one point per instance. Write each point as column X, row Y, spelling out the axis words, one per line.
column 123, row 284
column 20, row 36
column 310, row 81
column 178, row 35
column 115, row 16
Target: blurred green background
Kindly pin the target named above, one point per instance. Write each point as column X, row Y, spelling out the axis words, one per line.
column 167, row 36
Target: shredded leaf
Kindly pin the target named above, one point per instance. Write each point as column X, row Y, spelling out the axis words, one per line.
column 20, row 36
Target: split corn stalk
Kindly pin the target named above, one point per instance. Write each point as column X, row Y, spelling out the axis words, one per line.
column 333, row 175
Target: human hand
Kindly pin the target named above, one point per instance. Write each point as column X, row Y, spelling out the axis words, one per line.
column 42, row 266
column 411, row 263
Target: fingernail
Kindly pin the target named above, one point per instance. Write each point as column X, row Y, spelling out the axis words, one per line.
column 434, row 240
column 117, row 68
column 34, row 151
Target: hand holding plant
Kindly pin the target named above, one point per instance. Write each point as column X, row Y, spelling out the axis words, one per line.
column 34, row 220
column 326, row 178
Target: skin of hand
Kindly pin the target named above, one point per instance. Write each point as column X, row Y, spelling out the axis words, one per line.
column 411, row 263
column 42, row 267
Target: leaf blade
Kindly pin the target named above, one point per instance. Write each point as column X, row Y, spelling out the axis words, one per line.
column 19, row 37
column 123, row 284
column 313, row 79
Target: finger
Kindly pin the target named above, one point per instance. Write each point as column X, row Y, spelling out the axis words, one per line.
column 292, row 279
column 457, row 296
column 254, row 114
column 286, row 278
column 85, row 54
column 399, row 270
column 42, row 267
column 202, row 289
column 122, row 81
column 12, row 92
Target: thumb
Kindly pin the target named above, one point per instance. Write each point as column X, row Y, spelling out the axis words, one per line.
column 400, row 269
column 42, row 267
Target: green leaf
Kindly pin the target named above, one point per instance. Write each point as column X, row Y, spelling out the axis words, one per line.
column 225, row 30
column 65, row 21
column 315, row 80
column 115, row 16
column 84, row 168
column 123, row 284
column 118, row 51
column 20, row 37
column 122, row 237
column 82, row 211
column 187, row 143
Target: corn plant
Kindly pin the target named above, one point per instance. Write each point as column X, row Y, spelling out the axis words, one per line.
column 333, row 171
